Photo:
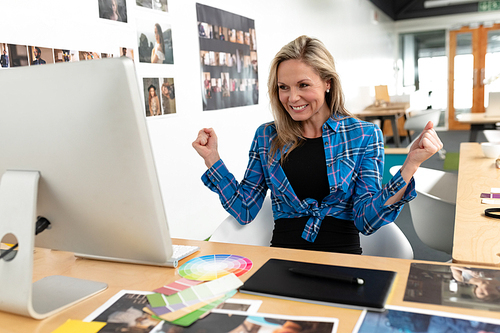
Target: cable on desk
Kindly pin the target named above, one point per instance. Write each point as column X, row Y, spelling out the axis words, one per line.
column 41, row 224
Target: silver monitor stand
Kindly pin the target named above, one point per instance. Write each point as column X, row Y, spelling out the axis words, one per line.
column 18, row 198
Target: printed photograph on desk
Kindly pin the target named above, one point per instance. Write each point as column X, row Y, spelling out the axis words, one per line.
column 256, row 323
column 408, row 320
column 454, row 285
column 155, row 41
column 123, row 313
column 239, row 306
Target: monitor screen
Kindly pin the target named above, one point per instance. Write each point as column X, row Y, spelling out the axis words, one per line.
column 82, row 126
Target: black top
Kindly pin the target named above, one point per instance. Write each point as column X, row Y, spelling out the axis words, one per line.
column 305, row 168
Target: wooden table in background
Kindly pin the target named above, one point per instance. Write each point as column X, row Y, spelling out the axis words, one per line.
column 395, row 112
column 476, row 237
column 120, row 276
column 478, row 122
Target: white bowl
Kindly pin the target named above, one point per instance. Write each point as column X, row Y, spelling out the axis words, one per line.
column 491, row 149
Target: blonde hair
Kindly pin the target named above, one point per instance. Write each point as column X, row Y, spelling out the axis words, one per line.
column 312, row 52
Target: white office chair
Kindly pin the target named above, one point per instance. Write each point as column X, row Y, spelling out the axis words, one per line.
column 388, row 241
column 433, row 210
column 416, row 121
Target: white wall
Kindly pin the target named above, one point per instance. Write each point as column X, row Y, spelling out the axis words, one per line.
column 362, row 49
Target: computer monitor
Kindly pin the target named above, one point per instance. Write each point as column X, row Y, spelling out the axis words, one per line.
column 81, row 127
column 493, row 109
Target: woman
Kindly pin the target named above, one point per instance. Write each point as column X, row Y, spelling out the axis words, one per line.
column 158, row 52
column 323, row 167
column 113, row 13
column 486, row 288
column 154, row 102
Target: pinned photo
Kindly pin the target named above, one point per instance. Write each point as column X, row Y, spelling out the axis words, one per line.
column 64, row 55
column 4, row 56
column 114, row 10
column 155, row 43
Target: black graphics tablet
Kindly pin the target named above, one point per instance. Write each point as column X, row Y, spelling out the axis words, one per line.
column 341, row 286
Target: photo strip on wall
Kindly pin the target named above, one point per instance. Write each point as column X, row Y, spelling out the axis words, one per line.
column 228, row 59
column 14, row 55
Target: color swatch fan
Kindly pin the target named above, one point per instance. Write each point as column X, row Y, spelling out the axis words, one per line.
column 211, row 267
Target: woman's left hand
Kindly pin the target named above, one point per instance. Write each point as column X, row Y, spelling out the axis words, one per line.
column 426, row 145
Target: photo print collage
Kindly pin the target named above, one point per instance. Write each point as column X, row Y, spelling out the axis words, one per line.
column 154, row 46
column 228, row 59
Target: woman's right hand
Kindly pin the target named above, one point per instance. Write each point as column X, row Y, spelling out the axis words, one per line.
column 206, row 146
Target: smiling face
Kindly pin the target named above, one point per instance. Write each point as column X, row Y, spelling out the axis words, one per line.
column 302, row 91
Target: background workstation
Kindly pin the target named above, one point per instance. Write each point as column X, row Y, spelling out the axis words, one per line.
column 361, row 37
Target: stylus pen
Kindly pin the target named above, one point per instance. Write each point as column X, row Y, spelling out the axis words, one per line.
column 331, row 276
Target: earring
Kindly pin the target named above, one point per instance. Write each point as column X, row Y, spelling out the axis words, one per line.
column 327, row 91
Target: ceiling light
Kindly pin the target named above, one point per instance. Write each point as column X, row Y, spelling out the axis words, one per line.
column 444, row 3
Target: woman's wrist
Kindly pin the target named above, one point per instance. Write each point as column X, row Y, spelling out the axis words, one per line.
column 211, row 160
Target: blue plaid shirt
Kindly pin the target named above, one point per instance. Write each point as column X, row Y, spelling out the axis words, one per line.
column 355, row 160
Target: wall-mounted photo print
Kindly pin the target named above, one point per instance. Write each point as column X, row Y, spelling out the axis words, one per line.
column 153, row 4
column 18, row 55
column 155, row 43
column 4, row 56
column 228, row 59
column 115, row 10
column 88, row 55
column 159, row 96
column 40, row 55
column 62, row 55
column 127, row 52
column 168, row 96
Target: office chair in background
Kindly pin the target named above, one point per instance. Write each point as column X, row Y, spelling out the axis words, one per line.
column 388, row 241
column 433, row 210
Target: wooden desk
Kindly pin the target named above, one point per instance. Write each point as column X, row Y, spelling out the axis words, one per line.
column 391, row 111
column 146, row 278
column 476, row 237
column 478, row 122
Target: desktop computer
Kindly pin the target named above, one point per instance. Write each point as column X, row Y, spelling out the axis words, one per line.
column 75, row 149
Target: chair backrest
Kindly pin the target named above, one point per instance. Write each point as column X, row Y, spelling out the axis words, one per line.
column 433, row 210
column 418, row 120
column 389, row 241
column 258, row 232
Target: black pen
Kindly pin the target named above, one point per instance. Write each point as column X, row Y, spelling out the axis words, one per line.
column 332, row 276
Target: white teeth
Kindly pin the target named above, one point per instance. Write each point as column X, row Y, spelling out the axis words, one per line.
column 298, row 108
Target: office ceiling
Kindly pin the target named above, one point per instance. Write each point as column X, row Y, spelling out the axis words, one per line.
column 410, row 9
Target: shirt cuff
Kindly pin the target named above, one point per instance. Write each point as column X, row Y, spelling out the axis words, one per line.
column 215, row 174
column 397, row 183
